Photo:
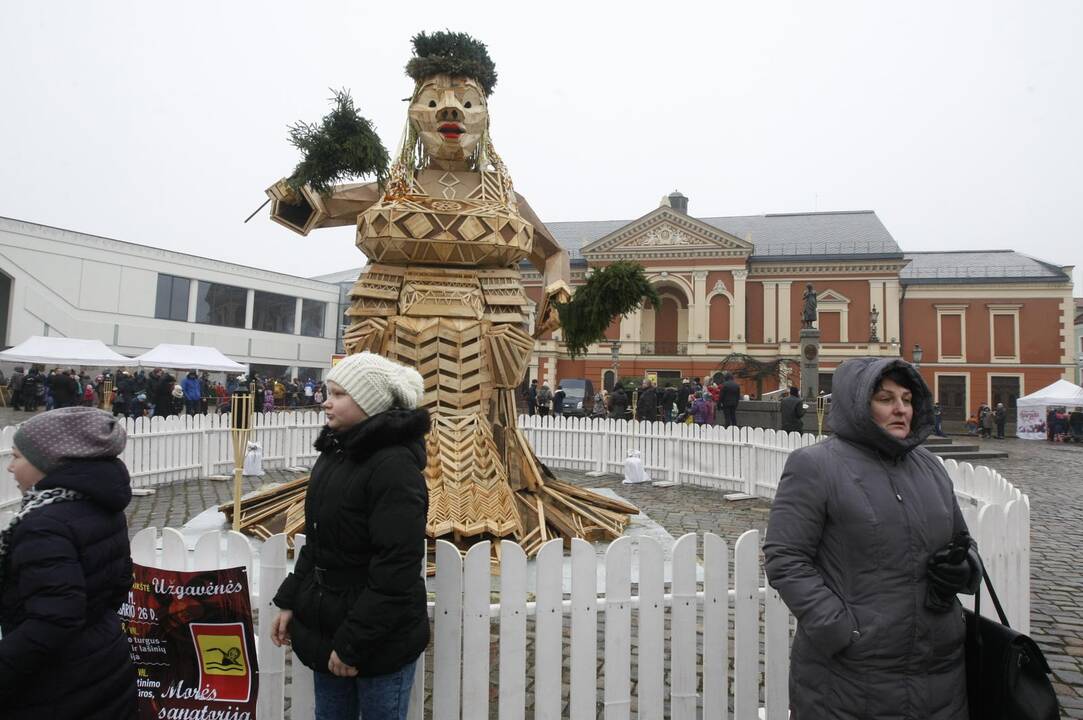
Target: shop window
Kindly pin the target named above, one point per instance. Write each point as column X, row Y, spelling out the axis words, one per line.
column 218, row 304
column 171, row 302
column 272, row 312
column 312, row 315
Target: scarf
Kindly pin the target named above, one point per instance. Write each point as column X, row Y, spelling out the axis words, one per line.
column 32, row 500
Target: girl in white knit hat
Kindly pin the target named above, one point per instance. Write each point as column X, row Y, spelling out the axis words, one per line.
column 354, row 608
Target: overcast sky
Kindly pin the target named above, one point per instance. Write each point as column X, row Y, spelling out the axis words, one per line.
column 959, row 123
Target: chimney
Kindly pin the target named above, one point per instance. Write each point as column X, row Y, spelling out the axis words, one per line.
column 678, row 202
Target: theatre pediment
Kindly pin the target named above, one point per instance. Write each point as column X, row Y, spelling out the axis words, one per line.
column 830, row 297
column 666, row 233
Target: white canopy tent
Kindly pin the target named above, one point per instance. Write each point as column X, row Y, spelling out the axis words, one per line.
column 1031, row 409
column 64, row 351
column 188, row 357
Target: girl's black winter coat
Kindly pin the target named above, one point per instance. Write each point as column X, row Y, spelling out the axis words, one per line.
column 67, row 571
column 357, row 586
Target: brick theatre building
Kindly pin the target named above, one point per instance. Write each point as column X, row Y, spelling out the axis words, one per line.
column 991, row 325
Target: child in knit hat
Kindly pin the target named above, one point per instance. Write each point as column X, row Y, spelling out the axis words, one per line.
column 65, row 569
column 366, row 384
column 354, row 609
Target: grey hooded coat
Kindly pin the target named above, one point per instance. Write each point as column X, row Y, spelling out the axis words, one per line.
column 853, row 524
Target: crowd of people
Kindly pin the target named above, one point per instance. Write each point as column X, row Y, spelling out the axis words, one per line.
column 690, row 401
column 1064, row 426
column 155, row 393
column 982, row 421
column 865, row 544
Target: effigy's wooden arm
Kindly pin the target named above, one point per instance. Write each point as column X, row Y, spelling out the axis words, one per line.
column 303, row 210
column 547, row 318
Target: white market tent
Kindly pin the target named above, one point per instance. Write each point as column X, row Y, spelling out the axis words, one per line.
column 1031, row 409
column 188, row 357
column 64, row 351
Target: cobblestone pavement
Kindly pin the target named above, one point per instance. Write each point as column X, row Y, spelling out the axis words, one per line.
column 1052, row 475
column 174, row 504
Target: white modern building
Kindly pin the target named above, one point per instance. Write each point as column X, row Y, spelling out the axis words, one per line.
column 62, row 283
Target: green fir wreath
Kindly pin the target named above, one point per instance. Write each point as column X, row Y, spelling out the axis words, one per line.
column 616, row 289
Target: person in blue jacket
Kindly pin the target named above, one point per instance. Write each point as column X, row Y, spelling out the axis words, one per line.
column 193, row 393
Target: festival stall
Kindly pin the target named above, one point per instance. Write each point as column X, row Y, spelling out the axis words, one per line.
column 1031, row 409
column 64, row 352
column 188, row 357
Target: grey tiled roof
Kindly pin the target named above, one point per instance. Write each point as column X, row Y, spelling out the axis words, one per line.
column 774, row 236
column 977, row 266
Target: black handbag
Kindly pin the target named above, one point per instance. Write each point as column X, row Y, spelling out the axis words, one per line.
column 1007, row 676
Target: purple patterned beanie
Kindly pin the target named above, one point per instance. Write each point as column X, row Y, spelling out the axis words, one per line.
column 52, row 438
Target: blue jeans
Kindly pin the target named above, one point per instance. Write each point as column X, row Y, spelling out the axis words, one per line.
column 384, row 697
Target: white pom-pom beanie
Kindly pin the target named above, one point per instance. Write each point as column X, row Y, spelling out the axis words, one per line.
column 377, row 384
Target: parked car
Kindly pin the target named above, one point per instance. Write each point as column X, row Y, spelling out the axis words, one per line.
column 578, row 397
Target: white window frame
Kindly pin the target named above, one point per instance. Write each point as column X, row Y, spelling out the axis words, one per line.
column 989, row 383
column 941, row 311
column 966, row 389
column 719, row 289
column 1013, row 312
column 833, row 301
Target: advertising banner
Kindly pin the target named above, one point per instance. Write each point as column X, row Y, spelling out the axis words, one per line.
column 191, row 640
column 1030, row 423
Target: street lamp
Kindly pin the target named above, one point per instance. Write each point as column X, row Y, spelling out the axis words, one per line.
column 918, row 354
column 614, row 350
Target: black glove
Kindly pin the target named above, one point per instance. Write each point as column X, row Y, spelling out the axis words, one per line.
column 948, row 572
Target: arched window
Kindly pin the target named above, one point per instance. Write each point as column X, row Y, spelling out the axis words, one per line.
column 720, row 319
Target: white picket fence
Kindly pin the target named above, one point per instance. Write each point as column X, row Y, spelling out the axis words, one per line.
column 751, row 460
column 185, row 447
column 680, row 629
column 678, row 618
column 666, row 646
column 733, row 459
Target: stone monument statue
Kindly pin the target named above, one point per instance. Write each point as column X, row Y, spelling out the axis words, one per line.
column 808, row 314
column 810, row 346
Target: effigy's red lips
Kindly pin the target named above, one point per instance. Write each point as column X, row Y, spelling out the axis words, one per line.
column 450, row 131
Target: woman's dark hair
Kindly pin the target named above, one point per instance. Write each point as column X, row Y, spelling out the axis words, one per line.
column 897, row 375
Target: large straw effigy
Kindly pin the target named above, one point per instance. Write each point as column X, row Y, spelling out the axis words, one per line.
column 444, row 234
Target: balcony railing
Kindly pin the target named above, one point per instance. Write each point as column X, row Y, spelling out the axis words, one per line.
column 663, row 348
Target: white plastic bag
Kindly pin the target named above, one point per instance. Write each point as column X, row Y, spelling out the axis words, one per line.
column 253, row 460
column 634, row 472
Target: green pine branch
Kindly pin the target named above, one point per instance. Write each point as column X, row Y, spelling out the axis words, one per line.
column 343, row 146
column 615, row 290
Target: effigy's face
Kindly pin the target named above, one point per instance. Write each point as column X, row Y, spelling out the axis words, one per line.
column 450, row 114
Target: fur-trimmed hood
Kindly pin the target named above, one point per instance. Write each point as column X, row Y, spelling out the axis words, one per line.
column 393, row 427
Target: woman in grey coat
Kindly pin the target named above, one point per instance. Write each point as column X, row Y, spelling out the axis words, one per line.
column 852, row 529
